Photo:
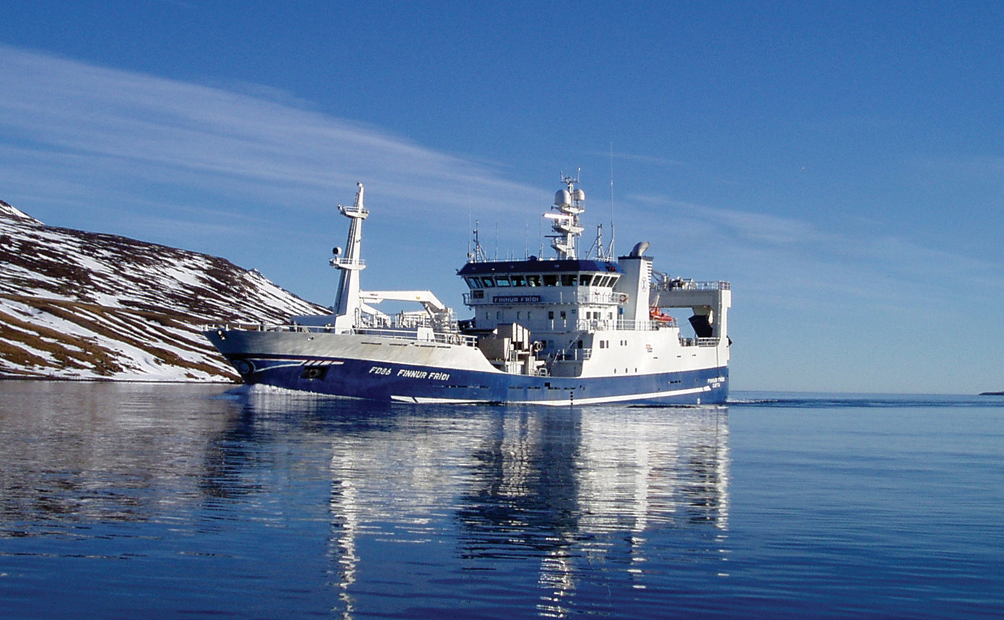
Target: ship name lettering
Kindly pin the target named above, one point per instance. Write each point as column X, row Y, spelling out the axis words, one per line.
column 413, row 374
column 379, row 370
column 423, row 374
column 516, row 299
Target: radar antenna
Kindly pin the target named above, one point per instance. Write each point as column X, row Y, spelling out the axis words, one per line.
column 565, row 213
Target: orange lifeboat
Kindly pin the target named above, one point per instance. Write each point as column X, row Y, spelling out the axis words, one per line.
column 655, row 314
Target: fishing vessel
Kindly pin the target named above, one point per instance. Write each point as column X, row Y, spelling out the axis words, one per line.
column 552, row 331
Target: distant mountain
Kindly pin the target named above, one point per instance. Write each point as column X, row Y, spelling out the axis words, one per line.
column 81, row 305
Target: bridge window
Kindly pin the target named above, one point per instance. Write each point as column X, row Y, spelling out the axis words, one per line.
column 550, row 280
column 501, row 280
column 585, row 279
column 533, row 280
column 568, row 279
column 487, row 281
column 518, row 280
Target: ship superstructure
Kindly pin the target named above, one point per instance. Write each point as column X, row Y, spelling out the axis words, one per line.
column 552, row 331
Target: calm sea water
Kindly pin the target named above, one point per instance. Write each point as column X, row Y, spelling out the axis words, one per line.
column 167, row 501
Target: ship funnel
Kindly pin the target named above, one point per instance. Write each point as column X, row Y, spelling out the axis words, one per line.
column 639, row 249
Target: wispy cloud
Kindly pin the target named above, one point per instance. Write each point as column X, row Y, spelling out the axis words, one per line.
column 853, row 267
column 57, row 112
column 179, row 163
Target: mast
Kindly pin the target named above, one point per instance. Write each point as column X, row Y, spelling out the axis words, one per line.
column 347, row 304
column 565, row 213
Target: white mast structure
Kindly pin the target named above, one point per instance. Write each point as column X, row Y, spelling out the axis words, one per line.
column 348, row 305
column 566, row 210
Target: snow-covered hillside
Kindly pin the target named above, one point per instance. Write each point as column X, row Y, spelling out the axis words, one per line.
column 80, row 305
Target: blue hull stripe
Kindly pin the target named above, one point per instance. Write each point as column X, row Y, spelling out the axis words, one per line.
column 425, row 384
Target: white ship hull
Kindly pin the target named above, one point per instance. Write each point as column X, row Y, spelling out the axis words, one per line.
column 392, row 369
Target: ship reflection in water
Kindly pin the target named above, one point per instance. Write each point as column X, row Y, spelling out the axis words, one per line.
column 288, row 504
column 167, row 501
column 497, row 499
column 582, row 490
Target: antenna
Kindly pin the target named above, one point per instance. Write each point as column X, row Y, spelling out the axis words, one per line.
column 597, row 244
column 478, row 254
column 610, row 252
column 540, row 237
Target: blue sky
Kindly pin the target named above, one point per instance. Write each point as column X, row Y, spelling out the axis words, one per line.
column 841, row 163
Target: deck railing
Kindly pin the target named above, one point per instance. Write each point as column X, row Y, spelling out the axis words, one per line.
column 421, row 336
column 414, row 335
column 689, row 285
